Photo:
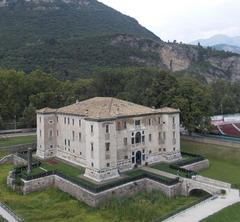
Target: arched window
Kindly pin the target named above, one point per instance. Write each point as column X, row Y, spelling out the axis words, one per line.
column 138, row 137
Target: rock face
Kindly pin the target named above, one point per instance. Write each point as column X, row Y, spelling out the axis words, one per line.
column 208, row 64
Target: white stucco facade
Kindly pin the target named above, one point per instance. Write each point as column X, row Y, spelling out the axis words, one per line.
column 108, row 146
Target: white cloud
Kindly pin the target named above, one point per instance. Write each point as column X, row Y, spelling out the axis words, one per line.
column 184, row 20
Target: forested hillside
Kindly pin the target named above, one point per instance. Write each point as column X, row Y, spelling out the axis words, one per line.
column 22, row 94
column 71, row 38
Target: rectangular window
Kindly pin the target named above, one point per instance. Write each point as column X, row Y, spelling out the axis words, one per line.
column 107, row 146
column 173, row 120
column 125, row 125
column 143, row 139
column 69, row 144
column 118, row 125
column 159, row 120
column 79, row 123
column 150, row 137
column 149, row 122
column 40, row 133
column 107, row 128
column 57, row 119
column 125, row 141
column 108, row 164
column 92, row 147
column 65, row 120
column 174, row 135
column 68, row 121
column 137, row 122
column 57, row 132
column 159, row 135
column 73, row 122
column 65, row 142
column 73, row 135
column 50, row 133
column 91, row 128
column 132, row 140
column 80, row 137
column 40, row 119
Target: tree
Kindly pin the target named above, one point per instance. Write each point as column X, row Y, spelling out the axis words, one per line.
column 29, row 116
column 194, row 101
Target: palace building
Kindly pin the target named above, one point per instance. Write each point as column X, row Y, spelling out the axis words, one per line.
column 108, row 136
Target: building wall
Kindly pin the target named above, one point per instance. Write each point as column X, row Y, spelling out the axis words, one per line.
column 105, row 148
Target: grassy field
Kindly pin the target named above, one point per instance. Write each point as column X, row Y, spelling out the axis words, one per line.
column 59, row 206
column 231, row 214
column 224, row 161
column 2, row 219
column 70, row 170
column 17, row 140
column 224, row 165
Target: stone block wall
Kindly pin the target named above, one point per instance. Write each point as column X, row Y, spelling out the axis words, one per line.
column 95, row 199
column 198, row 166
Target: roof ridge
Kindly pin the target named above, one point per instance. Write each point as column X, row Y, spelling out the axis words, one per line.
column 110, row 104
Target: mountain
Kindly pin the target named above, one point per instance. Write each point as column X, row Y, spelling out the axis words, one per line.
column 218, row 40
column 227, row 48
column 29, row 22
column 71, row 38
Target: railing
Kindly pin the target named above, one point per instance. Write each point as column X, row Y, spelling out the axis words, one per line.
column 17, row 218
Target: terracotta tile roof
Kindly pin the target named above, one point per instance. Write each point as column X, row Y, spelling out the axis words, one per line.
column 107, row 108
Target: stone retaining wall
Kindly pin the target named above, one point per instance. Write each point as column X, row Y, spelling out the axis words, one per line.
column 198, row 166
column 95, row 199
column 14, row 159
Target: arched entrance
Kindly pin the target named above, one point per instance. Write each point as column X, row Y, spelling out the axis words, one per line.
column 139, row 158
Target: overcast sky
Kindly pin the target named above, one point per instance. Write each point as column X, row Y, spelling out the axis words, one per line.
column 183, row 20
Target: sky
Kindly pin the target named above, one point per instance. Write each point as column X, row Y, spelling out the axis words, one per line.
column 183, row 20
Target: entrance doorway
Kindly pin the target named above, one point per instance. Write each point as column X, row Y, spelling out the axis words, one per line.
column 139, row 158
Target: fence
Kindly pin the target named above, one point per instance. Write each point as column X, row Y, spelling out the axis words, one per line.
column 6, row 208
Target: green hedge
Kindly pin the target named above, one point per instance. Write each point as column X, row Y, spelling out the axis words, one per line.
column 96, row 188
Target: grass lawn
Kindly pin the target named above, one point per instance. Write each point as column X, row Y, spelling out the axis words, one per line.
column 54, row 205
column 2, row 219
column 67, row 169
column 17, row 140
column 231, row 214
column 166, row 167
column 224, row 161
